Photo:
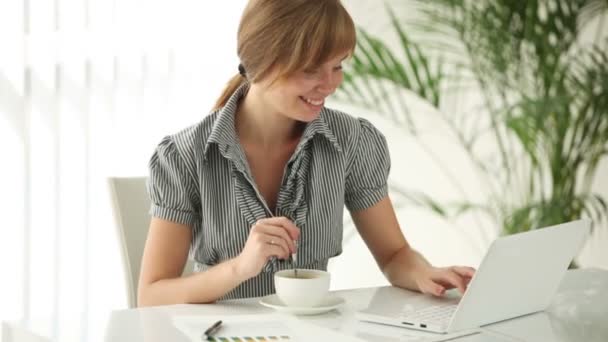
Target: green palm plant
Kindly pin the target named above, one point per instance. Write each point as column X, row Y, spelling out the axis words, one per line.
column 544, row 97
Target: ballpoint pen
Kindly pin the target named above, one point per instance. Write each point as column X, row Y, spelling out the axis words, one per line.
column 208, row 334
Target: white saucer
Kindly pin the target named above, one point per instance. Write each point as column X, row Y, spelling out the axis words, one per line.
column 329, row 303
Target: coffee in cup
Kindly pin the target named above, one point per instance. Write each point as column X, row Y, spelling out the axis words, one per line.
column 306, row 290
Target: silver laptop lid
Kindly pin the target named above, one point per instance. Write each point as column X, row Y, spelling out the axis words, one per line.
column 520, row 274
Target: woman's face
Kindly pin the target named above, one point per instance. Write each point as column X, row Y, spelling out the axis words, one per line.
column 301, row 96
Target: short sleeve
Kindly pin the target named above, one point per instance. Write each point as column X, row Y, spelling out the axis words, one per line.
column 171, row 186
column 367, row 176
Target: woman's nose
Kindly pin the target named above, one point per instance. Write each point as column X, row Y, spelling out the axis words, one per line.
column 326, row 82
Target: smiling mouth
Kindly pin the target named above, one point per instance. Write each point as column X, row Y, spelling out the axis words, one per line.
column 312, row 101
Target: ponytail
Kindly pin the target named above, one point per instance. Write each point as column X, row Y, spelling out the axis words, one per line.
column 234, row 83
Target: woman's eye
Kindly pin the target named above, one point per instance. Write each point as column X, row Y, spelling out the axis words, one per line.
column 338, row 68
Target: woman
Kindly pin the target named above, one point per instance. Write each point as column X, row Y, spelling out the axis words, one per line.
column 269, row 171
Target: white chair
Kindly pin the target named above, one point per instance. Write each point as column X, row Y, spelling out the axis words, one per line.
column 130, row 205
column 12, row 332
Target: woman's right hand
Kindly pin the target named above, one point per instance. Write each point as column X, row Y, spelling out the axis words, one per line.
column 269, row 237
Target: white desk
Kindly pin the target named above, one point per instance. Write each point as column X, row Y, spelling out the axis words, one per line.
column 579, row 313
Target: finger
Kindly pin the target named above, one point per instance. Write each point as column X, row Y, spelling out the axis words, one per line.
column 278, row 232
column 278, row 242
column 433, row 288
column 460, row 283
column 275, row 250
column 446, row 284
column 449, row 285
column 464, row 271
column 292, row 230
column 451, row 278
column 263, row 240
column 466, row 274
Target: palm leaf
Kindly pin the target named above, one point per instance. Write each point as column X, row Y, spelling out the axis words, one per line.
column 378, row 76
column 546, row 97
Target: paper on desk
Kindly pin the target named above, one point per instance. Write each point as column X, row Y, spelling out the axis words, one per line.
column 264, row 327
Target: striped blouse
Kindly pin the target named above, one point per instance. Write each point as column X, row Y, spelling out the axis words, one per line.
column 200, row 177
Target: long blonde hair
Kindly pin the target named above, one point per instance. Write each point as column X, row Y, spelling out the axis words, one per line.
column 290, row 35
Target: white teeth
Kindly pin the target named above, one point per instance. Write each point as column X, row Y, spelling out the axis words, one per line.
column 313, row 102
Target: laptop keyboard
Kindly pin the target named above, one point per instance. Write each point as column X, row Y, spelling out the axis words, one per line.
column 438, row 314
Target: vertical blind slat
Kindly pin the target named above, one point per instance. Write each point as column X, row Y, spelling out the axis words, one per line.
column 27, row 191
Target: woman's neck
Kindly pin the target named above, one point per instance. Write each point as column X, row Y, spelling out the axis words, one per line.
column 256, row 123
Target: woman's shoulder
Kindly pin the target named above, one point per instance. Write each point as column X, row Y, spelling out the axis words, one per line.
column 196, row 134
column 346, row 127
column 189, row 141
column 338, row 118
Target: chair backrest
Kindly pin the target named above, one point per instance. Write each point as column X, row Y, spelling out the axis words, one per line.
column 13, row 332
column 130, row 205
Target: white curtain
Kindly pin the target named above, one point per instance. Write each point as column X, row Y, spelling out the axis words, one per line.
column 87, row 89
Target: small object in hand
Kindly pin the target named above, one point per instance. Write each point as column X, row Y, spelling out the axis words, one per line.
column 208, row 334
column 294, row 258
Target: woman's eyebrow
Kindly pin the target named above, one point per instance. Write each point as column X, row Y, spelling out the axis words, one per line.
column 346, row 57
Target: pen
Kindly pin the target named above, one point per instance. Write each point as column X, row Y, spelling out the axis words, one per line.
column 212, row 330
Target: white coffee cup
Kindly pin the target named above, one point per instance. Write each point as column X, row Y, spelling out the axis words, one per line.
column 307, row 290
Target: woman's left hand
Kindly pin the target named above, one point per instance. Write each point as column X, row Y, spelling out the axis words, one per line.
column 436, row 280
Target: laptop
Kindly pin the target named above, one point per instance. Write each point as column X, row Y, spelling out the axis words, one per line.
column 519, row 275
